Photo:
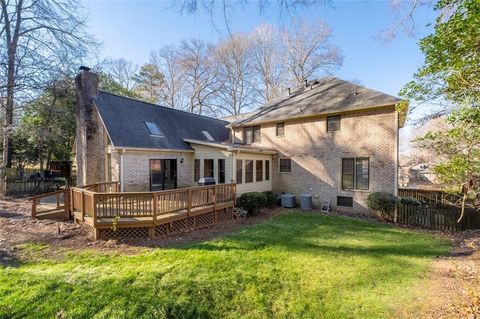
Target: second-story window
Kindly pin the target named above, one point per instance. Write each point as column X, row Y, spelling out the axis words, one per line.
column 333, row 123
column 280, row 129
column 252, row 134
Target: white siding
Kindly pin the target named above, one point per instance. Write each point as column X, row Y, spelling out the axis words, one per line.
column 255, row 186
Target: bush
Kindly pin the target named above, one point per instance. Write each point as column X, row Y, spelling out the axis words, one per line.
column 382, row 202
column 410, row 201
column 272, row 199
column 252, row 202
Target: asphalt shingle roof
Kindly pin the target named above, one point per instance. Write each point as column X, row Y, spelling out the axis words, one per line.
column 125, row 119
column 324, row 96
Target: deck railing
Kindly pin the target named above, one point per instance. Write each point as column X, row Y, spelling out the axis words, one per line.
column 148, row 204
column 55, row 202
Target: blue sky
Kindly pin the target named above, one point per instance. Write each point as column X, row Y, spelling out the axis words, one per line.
column 131, row 29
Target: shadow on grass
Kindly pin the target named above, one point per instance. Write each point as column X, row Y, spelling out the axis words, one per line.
column 319, row 234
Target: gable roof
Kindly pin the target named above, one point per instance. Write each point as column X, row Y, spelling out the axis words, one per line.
column 124, row 119
column 323, row 96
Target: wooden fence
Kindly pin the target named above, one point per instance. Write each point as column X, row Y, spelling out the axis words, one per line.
column 429, row 196
column 436, row 218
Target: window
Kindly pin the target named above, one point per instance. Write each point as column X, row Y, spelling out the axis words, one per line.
column 333, row 123
column 248, row 171
column 208, row 136
column 153, row 129
column 208, row 168
column 355, row 173
column 259, row 170
column 196, row 170
column 252, row 134
column 344, row 201
column 362, row 168
column 281, row 129
column 267, row 170
column 347, row 173
column 285, row 165
column 239, row 171
column 221, row 171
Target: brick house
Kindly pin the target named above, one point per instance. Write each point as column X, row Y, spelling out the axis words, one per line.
column 333, row 139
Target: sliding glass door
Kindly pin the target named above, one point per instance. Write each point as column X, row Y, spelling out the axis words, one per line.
column 163, row 174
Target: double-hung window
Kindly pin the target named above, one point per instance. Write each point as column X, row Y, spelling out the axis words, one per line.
column 356, row 173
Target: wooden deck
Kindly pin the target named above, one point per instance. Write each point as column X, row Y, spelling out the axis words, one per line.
column 151, row 214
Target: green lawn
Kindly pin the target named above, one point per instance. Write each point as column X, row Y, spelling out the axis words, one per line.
column 296, row 266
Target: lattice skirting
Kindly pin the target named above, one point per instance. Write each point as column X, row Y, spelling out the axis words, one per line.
column 178, row 226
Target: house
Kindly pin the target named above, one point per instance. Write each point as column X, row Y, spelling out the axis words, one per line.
column 335, row 140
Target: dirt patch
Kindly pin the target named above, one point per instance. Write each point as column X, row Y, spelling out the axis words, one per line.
column 453, row 287
column 21, row 236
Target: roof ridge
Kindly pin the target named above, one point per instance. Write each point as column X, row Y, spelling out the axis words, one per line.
column 163, row 106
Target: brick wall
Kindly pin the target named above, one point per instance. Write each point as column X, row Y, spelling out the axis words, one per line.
column 136, row 170
column 317, row 155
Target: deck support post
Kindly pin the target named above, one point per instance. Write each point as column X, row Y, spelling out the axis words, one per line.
column 34, row 208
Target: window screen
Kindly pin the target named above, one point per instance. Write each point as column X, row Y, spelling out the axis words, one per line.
column 196, row 170
column 347, row 173
column 285, row 165
column 344, row 201
column 208, row 168
column 267, row 170
column 281, row 129
column 239, row 171
column 333, row 123
column 221, row 171
column 362, row 173
column 248, row 171
column 259, row 170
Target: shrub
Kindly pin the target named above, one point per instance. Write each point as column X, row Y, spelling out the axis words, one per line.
column 382, row 202
column 272, row 199
column 410, row 201
column 252, row 202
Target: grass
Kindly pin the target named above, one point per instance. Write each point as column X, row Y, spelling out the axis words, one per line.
column 294, row 266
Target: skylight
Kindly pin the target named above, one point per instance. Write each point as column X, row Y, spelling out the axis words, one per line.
column 153, row 128
column 208, row 136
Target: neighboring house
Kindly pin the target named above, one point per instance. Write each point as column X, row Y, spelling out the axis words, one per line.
column 333, row 139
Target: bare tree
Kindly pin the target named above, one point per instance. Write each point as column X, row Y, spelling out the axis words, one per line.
column 309, row 50
column 122, row 71
column 269, row 61
column 200, row 74
column 38, row 41
column 238, row 90
column 167, row 60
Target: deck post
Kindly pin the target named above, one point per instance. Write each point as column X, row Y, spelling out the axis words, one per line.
column 189, row 201
column 94, row 213
column 155, row 209
column 82, row 206
column 34, row 207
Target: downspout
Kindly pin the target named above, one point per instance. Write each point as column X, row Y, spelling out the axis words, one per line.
column 121, row 171
column 397, row 128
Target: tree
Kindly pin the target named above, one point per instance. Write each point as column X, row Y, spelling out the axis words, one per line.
column 38, row 41
column 235, row 60
column 309, row 51
column 269, row 62
column 459, row 150
column 108, row 84
column 452, row 59
column 122, row 72
column 167, row 61
column 149, row 83
column 200, row 74
column 47, row 127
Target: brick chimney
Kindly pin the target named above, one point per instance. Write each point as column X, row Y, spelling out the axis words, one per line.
column 90, row 152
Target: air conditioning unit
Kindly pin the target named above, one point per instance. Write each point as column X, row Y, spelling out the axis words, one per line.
column 288, row 200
